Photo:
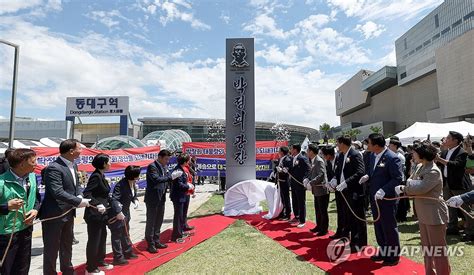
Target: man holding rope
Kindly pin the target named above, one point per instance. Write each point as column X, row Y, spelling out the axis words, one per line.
column 62, row 195
column 284, row 164
column 349, row 170
column 19, row 192
column 384, row 173
column 298, row 171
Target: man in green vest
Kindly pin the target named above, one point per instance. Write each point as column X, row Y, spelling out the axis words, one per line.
column 19, row 193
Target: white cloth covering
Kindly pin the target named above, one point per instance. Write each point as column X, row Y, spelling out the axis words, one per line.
column 244, row 198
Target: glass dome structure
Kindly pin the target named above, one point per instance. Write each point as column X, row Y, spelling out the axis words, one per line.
column 167, row 139
column 118, row 142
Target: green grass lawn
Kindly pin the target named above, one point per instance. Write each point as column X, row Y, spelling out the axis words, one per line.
column 242, row 249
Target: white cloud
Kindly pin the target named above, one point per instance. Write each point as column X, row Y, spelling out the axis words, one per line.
column 383, row 9
column 106, row 17
column 172, row 10
column 54, row 66
column 370, row 29
column 8, row 6
column 225, row 18
column 264, row 24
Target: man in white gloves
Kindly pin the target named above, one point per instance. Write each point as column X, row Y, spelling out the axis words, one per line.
column 157, row 180
column 317, row 176
column 61, row 181
column 385, row 173
column 349, row 170
column 457, row 201
column 284, row 163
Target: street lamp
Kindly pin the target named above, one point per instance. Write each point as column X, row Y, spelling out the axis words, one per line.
column 11, row 135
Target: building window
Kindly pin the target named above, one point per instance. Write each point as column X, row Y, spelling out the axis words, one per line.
column 436, row 21
column 427, row 42
column 445, row 30
column 457, row 23
column 469, row 15
column 405, row 43
column 435, row 37
column 403, row 75
column 418, row 48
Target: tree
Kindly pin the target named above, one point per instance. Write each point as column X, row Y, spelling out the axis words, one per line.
column 325, row 128
column 215, row 130
column 376, row 129
column 352, row 133
column 281, row 132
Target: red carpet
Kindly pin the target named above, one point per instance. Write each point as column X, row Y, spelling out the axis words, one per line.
column 205, row 228
column 313, row 249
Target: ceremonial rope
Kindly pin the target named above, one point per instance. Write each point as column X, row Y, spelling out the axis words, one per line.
column 387, row 199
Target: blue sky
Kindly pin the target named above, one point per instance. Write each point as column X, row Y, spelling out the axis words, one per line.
column 168, row 56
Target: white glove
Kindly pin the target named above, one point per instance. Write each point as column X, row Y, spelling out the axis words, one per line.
column 176, row 174
column 333, row 183
column 365, row 178
column 279, row 169
column 190, row 186
column 135, row 204
column 80, row 196
column 285, row 170
column 305, row 181
column 84, row 203
column 455, row 201
column 307, row 186
column 329, row 187
column 399, row 189
column 101, row 208
column 120, row 216
column 380, row 194
column 341, row 186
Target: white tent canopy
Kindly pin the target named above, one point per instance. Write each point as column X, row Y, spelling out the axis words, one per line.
column 421, row 130
column 244, row 198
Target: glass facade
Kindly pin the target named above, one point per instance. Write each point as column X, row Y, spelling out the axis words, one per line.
column 118, row 142
column 173, row 138
column 415, row 50
column 198, row 129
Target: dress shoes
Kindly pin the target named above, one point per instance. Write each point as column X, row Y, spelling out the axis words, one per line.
column 376, row 258
column 161, row 245
column 189, row 228
column 321, row 233
column 152, row 249
column 390, row 263
column 314, row 229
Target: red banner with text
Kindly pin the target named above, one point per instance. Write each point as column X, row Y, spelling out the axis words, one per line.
column 119, row 159
column 265, row 150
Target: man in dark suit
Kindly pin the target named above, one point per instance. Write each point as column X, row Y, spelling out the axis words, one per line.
column 61, row 194
column 284, row 162
column 317, row 177
column 349, row 170
column 452, row 164
column 298, row 171
column 384, row 173
column 157, row 180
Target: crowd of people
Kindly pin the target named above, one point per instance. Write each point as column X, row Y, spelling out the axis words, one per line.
column 381, row 176
column 21, row 204
column 365, row 176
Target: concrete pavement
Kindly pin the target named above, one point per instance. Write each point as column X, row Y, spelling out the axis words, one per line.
column 137, row 228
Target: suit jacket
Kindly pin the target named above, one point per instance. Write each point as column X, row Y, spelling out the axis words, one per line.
column 317, row 176
column 353, row 171
column 457, row 179
column 123, row 194
column 60, row 192
column 300, row 170
column 429, row 212
column 386, row 175
column 157, row 180
column 468, row 197
column 98, row 190
column 330, row 169
column 286, row 162
column 179, row 187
